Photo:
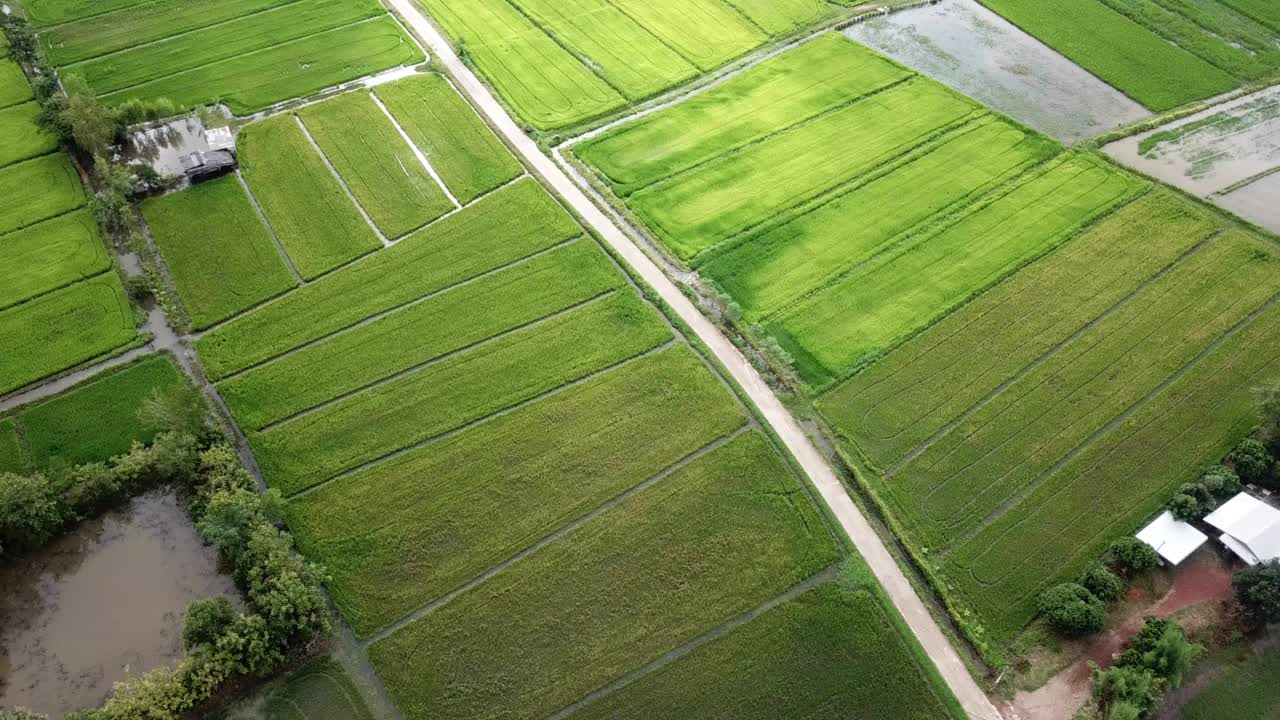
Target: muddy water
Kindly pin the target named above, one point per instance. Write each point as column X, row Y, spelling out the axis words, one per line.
column 1211, row 151
column 975, row 51
column 1259, row 201
column 101, row 604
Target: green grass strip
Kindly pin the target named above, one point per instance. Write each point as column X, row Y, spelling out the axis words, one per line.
column 509, row 225
column 63, row 329
column 1247, row 691
column 11, row 456
column 254, row 81
column 311, row 216
column 319, row 690
column 456, row 391
column 13, row 84
column 50, row 255
column 219, row 254
column 543, row 82
column 24, row 139
column 455, row 508
column 463, row 150
column 769, row 270
column 715, row 539
column 376, row 163
column 707, row 33
column 37, row 190
column 250, row 34
column 895, row 405
column 881, row 302
column 1133, row 59
column 141, row 24
column 53, row 12
column 97, row 419
column 778, row 93
column 420, row 333
column 735, row 192
column 831, row 652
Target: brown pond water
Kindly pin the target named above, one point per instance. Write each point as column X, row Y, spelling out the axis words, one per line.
column 966, row 46
column 101, row 604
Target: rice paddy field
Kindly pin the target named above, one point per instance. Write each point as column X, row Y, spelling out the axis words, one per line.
column 248, row 54
column 1021, row 350
column 561, row 64
column 488, row 402
column 1161, row 53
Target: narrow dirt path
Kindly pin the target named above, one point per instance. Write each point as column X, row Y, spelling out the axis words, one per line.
column 886, row 569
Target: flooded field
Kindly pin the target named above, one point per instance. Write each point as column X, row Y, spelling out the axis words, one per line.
column 975, row 51
column 1259, row 201
column 101, row 604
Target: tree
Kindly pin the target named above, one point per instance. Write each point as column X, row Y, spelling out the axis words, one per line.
column 22, row 41
column 1252, row 461
column 180, row 408
column 1103, row 583
column 1072, row 610
column 1185, row 507
column 284, row 588
column 93, row 125
column 231, row 516
column 1162, row 648
column 1221, row 481
column 1130, row 556
column 1269, row 406
column 207, row 619
column 1257, row 591
column 1124, row 710
column 29, row 512
column 1124, row 685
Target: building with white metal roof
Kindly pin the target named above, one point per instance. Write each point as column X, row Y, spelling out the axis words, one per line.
column 1250, row 528
column 1173, row 539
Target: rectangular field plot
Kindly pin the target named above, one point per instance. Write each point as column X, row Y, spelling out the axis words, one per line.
column 13, row 83
column 546, row 84
column 62, row 329
column 420, row 333
column 880, row 302
column 1131, row 57
column 712, row 540
column 455, row 508
column 464, row 152
column 254, row 33
column 970, row 426
column 50, row 255
column 53, row 12
column 520, row 221
column 834, row 651
column 781, row 16
column 764, row 272
column 492, row 377
column 37, row 190
column 219, row 254
column 12, row 459
column 306, row 207
column 1264, row 11
column 257, row 80
column 379, row 167
column 97, row 419
column 693, row 211
column 708, row 33
column 817, row 77
column 624, row 53
column 23, row 138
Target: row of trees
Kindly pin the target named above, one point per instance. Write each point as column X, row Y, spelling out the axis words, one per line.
column 1077, row 609
column 1157, row 660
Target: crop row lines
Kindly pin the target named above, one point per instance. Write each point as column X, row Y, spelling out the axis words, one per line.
column 830, row 574
column 559, row 533
column 288, row 262
column 1115, row 422
column 1049, row 355
column 62, row 286
column 417, row 152
column 341, row 183
column 344, row 266
column 437, row 360
column 486, row 419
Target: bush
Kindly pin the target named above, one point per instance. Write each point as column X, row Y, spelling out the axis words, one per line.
column 1257, row 591
column 1161, row 648
column 1072, row 610
column 1221, row 481
column 1252, row 462
column 206, row 620
column 21, row 714
column 1102, row 582
column 1185, row 507
column 29, row 512
column 1130, row 556
column 1123, row 689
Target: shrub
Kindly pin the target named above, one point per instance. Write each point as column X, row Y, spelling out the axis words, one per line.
column 1072, row 610
column 29, row 512
column 1130, row 556
column 21, row 714
column 206, row 620
column 1186, row 508
column 1221, row 481
column 1161, row 648
column 1252, row 461
column 1102, row 582
column 1257, row 591
column 1122, row 686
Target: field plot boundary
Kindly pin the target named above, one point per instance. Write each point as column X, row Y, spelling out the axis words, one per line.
column 341, row 183
column 422, row 158
column 284, row 256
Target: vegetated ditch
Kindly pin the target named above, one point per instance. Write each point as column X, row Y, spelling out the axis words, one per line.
column 102, row 603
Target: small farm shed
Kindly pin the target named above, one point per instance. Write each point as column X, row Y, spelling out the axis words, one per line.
column 1250, row 528
column 184, row 148
column 1173, row 539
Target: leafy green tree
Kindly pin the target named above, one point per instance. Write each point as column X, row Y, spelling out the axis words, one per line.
column 93, row 125
column 1072, row 610
column 206, row 620
column 1222, row 481
column 1162, row 648
column 1252, row 461
column 21, row 39
column 231, row 516
column 1257, row 591
column 1124, row 710
column 1185, row 507
column 1103, row 583
column 1130, row 556
column 29, row 512
column 284, row 588
column 1124, row 685
column 1269, row 406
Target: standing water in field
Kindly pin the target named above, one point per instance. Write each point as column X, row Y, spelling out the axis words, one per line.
column 101, row 604
column 968, row 47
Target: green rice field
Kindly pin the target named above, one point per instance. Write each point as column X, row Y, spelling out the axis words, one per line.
column 13, row 83
column 23, row 138
column 304, row 204
column 1246, row 691
column 37, row 190
column 219, row 254
column 12, row 458
column 464, row 152
column 380, row 169
column 54, row 12
column 51, row 255
column 319, row 690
